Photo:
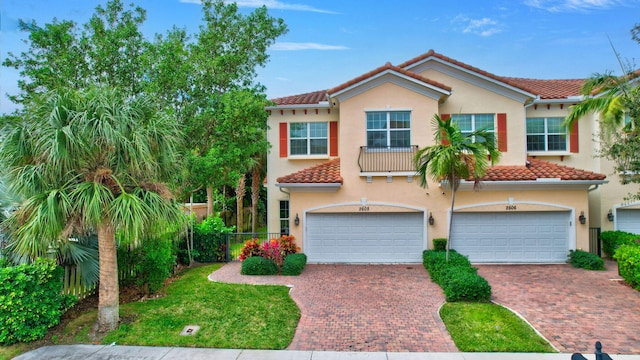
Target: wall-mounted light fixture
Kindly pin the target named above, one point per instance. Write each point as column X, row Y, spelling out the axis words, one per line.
column 431, row 220
column 582, row 218
column 296, row 220
column 610, row 215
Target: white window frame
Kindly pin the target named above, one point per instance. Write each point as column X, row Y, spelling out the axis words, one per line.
column 388, row 130
column 546, row 135
column 308, row 138
column 474, row 126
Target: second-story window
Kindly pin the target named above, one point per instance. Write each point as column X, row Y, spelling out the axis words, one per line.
column 469, row 123
column 308, row 138
column 546, row 134
column 388, row 129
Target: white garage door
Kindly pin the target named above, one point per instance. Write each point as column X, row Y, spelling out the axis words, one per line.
column 628, row 220
column 365, row 238
column 518, row 237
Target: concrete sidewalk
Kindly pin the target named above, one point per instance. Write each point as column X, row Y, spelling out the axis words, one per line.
column 104, row 352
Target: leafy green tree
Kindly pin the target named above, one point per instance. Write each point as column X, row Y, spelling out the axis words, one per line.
column 221, row 59
column 456, row 157
column 61, row 56
column 91, row 161
column 616, row 102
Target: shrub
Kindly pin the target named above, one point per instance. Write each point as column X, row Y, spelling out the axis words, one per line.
column 466, row 286
column 440, row 244
column 251, row 248
column 258, row 265
column 288, row 245
column 628, row 258
column 31, row 301
column 294, row 264
column 210, row 239
column 585, row 260
column 611, row 240
column 156, row 264
column 457, row 278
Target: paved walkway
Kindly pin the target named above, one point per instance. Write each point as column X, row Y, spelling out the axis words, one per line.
column 380, row 308
column 571, row 307
column 102, row 352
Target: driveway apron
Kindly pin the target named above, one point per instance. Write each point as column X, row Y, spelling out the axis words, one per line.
column 572, row 308
column 392, row 308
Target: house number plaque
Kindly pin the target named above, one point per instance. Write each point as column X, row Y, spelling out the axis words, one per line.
column 363, row 208
column 511, row 207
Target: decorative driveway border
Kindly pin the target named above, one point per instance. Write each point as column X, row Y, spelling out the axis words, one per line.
column 389, row 308
column 572, row 308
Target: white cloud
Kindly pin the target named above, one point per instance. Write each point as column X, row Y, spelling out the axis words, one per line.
column 573, row 5
column 482, row 27
column 271, row 4
column 293, row 46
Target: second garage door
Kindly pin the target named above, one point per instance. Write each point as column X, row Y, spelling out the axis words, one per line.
column 365, row 238
column 523, row 237
column 628, row 220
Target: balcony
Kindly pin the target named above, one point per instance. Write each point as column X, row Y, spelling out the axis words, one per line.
column 387, row 159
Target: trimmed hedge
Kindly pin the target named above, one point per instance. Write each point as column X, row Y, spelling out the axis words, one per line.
column 440, row 244
column 585, row 260
column 31, row 301
column 628, row 258
column 457, row 278
column 611, row 240
column 258, row 265
column 294, row 264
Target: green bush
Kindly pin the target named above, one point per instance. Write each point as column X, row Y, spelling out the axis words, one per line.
column 257, row 265
column 585, row 260
column 31, row 301
column 628, row 258
column 464, row 285
column 156, row 264
column 611, row 240
column 457, row 278
column 294, row 264
column 210, row 240
column 440, row 244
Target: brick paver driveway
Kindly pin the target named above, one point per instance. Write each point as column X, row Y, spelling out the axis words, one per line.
column 572, row 308
column 390, row 308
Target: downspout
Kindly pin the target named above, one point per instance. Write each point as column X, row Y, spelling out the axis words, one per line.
column 595, row 188
column 525, row 123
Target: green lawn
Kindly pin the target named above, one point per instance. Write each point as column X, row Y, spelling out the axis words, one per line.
column 487, row 327
column 229, row 315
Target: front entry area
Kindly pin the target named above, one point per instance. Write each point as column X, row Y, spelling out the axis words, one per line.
column 365, row 237
column 512, row 237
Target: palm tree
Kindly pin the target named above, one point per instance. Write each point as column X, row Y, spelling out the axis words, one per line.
column 86, row 162
column 613, row 97
column 258, row 172
column 455, row 157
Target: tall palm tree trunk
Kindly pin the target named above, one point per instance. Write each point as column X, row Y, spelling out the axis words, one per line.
column 108, row 300
column 453, row 200
column 255, row 194
column 209, row 200
column 240, row 192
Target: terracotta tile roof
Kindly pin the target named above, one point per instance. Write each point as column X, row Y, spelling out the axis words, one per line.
column 312, row 98
column 383, row 68
column 539, row 169
column 325, row 173
column 549, row 89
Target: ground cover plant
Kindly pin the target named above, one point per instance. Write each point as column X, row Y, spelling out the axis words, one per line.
column 230, row 316
column 457, row 278
column 585, row 260
column 487, row 327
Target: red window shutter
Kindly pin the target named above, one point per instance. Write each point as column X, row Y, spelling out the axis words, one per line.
column 333, row 138
column 284, row 140
column 445, row 117
column 502, row 132
column 573, row 138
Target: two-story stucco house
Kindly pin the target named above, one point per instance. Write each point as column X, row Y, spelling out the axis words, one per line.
column 341, row 177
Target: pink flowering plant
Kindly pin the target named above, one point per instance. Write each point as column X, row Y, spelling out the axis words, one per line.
column 274, row 249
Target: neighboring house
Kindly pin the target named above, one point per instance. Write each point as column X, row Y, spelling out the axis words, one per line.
column 342, row 180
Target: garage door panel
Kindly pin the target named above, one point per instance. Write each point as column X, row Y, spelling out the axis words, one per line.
column 530, row 236
column 365, row 237
column 628, row 220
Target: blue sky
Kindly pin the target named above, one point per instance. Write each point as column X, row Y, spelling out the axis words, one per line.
column 332, row 41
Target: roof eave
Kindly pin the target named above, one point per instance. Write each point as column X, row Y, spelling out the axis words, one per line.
column 310, row 187
column 539, row 184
